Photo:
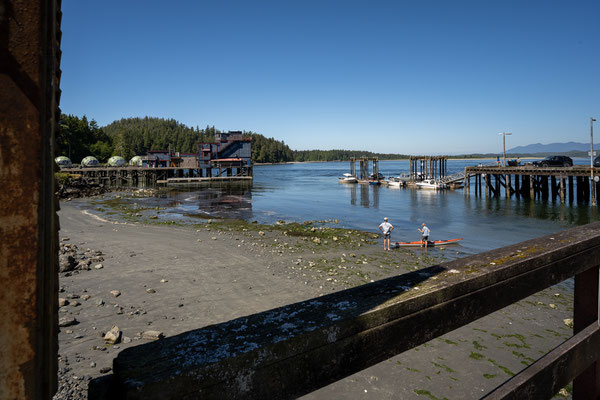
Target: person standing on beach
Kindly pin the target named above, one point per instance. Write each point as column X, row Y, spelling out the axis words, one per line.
column 386, row 228
column 425, row 234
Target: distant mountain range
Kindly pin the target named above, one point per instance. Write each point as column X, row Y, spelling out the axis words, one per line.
column 552, row 148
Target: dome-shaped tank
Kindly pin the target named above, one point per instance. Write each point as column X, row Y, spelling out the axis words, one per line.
column 63, row 162
column 137, row 161
column 116, row 161
column 90, row 161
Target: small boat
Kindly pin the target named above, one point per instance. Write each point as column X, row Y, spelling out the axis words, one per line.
column 431, row 184
column 347, row 178
column 429, row 243
column 396, row 181
column 376, row 179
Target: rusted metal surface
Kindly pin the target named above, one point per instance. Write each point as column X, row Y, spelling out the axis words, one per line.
column 28, row 109
column 544, row 378
column 587, row 384
column 292, row 350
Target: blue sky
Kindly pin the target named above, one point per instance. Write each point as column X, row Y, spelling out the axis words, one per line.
column 412, row 77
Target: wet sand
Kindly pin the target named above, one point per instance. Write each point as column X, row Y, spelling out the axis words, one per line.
column 173, row 279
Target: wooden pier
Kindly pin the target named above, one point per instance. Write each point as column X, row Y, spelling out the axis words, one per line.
column 364, row 168
column 530, row 182
column 133, row 176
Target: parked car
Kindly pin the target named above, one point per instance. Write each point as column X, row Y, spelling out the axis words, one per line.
column 597, row 161
column 554, row 161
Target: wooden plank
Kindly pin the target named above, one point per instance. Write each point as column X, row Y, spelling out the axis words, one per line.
column 544, row 378
column 292, row 350
column 585, row 304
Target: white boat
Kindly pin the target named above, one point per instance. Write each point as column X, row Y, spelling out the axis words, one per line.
column 347, row 178
column 431, row 184
column 395, row 182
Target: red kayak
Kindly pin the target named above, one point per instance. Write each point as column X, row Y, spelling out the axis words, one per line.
column 429, row 243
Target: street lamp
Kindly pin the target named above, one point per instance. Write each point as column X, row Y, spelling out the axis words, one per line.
column 592, row 185
column 504, row 134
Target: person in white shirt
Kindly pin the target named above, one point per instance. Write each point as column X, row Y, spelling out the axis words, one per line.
column 425, row 234
column 386, row 228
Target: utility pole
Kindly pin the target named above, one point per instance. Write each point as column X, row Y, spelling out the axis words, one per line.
column 592, row 183
column 504, row 145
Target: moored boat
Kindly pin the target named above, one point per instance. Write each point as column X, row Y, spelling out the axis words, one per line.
column 431, row 184
column 347, row 178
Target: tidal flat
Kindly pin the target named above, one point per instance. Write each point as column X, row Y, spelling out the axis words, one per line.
column 175, row 275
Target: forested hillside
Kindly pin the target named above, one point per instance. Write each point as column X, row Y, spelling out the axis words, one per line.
column 135, row 136
column 129, row 137
column 342, row 155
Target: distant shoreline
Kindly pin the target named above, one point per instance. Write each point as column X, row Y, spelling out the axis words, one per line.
column 395, row 159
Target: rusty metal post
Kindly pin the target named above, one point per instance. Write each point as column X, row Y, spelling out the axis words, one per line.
column 29, row 95
column 586, row 385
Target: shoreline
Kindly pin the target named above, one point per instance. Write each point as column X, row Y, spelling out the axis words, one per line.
column 175, row 278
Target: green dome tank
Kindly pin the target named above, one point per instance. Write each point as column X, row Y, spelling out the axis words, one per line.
column 116, row 161
column 137, row 161
column 90, row 161
column 63, row 162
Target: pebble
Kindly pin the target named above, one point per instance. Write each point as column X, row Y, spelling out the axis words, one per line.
column 99, row 266
column 67, row 321
column 152, row 335
column 115, row 293
column 99, row 302
column 163, row 281
column 113, row 336
column 62, row 302
column 104, row 370
column 150, row 291
column 92, row 364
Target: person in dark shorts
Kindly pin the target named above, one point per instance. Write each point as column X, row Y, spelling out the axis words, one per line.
column 425, row 234
column 386, row 228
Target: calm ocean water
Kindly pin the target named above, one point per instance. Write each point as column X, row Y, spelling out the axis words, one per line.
column 300, row 192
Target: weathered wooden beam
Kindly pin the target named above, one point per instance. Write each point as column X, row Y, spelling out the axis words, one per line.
column 544, row 378
column 292, row 350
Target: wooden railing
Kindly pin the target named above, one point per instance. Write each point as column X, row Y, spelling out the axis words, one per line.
column 290, row 351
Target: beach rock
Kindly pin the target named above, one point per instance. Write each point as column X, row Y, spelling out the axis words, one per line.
column 86, row 297
column 99, row 266
column 152, row 335
column 67, row 321
column 126, row 339
column 93, row 364
column 62, row 302
column 261, row 233
column 99, row 302
column 66, row 262
column 115, row 293
column 105, row 370
column 163, row 281
column 113, row 336
column 568, row 322
column 150, row 291
column 74, row 303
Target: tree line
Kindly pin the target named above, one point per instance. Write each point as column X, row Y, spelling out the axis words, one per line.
column 128, row 137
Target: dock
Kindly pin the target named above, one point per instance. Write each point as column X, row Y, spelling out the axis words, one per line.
column 565, row 183
column 133, row 175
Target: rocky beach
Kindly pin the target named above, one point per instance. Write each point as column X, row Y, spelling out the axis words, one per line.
column 128, row 277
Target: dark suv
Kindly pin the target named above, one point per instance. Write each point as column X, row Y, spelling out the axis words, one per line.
column 597, row 161
column 554, row 161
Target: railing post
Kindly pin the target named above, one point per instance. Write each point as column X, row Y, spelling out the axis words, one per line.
column 586, row 385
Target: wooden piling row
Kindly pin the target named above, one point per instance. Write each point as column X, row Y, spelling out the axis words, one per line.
column 565, row 184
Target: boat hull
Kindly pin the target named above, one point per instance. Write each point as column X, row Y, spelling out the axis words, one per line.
column 429, row 243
